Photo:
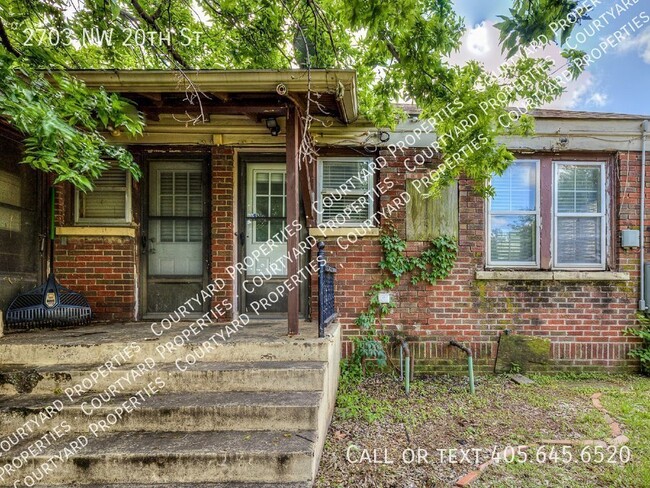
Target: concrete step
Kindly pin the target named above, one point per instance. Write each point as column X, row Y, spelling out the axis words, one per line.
column 200, row 377
column 178, row 458
column 162, row 350
column 162, row 411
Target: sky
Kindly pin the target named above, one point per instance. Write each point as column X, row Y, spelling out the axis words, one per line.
column 617, row 82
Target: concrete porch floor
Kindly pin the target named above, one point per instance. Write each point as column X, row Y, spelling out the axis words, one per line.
column 258, row 330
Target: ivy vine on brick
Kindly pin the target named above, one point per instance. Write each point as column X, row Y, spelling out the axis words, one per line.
column 434, row 263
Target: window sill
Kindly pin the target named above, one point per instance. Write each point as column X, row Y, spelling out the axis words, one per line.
column 344, row 231
column 552, row 275
column 96, row 231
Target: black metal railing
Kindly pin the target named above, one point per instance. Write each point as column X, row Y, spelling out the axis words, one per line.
column 326, row 305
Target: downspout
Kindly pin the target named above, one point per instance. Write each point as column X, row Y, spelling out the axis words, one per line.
column 642, row 304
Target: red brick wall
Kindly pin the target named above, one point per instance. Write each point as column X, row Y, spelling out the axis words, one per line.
column 103, row 269
column 583, row 320
column 222, row 212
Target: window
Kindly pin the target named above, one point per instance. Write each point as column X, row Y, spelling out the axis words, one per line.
column 109, row 202
column 578, row 215
column 513, row 216
column 549, row 214
column 180, row 194
column 345, row 191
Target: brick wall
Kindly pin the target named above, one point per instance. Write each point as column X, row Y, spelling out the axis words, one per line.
column 103, row 269
column 221, row 220
column 583, row 320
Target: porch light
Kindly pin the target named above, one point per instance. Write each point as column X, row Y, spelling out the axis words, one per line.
column 273, row 126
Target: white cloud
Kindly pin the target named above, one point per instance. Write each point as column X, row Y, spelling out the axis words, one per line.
column 575, row 93
column 477, row 39
column 640, row 43
column 598, row 99
column 581, row 94
column 481, row 43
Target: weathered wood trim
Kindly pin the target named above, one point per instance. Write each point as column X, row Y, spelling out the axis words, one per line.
column 552, row 275
column 344, row 231
column 96, row 231
column 293, row 213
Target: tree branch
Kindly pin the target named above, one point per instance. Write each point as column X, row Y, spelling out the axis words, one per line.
column 151, row 21
column 6, row 42
column 393, row 50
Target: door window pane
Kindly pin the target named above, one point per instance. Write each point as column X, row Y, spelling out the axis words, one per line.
column 176, row 209
column 262, row 183
column 270, row 204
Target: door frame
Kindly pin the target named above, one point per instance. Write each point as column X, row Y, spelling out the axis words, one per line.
column 205, row 160
column 244, row 157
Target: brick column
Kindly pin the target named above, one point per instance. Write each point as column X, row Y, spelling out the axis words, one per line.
column 222, row 247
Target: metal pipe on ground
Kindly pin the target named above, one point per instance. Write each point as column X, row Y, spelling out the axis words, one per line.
column 470, row 363
column 405, row 370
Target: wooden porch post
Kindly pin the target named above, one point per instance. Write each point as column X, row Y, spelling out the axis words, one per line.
column 293, row 211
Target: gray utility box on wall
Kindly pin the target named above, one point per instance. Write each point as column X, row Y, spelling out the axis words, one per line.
column 630, row 238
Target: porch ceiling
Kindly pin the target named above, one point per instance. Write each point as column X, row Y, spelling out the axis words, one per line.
column 254, row 93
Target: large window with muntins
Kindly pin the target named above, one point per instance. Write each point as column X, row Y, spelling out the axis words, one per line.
column 579, row 215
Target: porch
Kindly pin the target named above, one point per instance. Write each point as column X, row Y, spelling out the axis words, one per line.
column 212, row 195
column 251, row 408
column 117, row 332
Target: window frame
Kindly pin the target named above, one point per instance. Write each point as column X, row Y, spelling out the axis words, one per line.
column 125, row 220
column 537, row 213
column 603, row 215
column 369, row 193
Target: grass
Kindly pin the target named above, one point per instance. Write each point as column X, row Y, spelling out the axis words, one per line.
column 375, row 417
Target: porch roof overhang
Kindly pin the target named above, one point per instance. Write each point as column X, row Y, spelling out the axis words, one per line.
column 248, row 92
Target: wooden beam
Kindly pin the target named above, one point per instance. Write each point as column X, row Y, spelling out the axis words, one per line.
column 224, row 97
column 261, row 110
column 306, row 184
column 297, row 101
column 293, row 212
column 156, row 98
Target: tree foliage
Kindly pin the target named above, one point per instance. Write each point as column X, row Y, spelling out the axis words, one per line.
column 400, row 50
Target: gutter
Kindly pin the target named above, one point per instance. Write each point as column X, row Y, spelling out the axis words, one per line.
column 645, row 126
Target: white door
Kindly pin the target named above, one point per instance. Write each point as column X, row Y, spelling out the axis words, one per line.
column 174, row 243
column 266, row 205
column 176, row 219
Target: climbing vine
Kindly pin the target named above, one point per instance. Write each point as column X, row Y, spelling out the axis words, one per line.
column 434, row 263
column 643, row 351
